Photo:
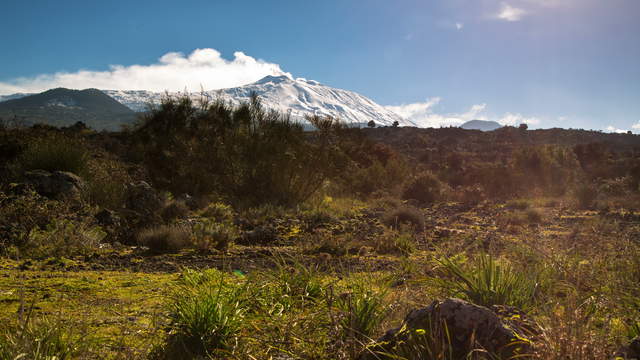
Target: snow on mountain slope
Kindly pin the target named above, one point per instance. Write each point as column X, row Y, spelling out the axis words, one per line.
column 301, row 97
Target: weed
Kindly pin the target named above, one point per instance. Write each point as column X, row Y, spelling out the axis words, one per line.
column 205, row 317
column 491, row 283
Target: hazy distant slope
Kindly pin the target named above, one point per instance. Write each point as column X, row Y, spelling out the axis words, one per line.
column 483, row 125
column 63, row 107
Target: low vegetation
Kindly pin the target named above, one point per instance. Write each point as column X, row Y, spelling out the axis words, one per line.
column 210, row 231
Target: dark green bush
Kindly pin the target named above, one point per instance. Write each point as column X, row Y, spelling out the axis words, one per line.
column 425, row 188
column 246, row 152
column 54, row 152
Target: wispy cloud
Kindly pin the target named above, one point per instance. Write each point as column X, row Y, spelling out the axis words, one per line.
column 459, row 25
column 516, row 119
column 510, row 13
column 204, row 68
column 636, row 126
column 423, row 114
column 613, row 129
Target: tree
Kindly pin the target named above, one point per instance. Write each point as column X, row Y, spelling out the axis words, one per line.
column 371, row 124
column 396, row 123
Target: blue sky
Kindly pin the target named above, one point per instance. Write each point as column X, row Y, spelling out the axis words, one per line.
column 565, row 63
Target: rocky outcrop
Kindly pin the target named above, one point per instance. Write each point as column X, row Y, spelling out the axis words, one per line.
column 455, row 327
column 56, row 185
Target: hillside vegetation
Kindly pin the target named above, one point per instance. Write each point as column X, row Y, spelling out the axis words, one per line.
column 208, row 231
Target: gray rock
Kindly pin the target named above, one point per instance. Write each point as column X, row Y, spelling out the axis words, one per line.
column 470, row 327
column 143, row 199
column 57, row 185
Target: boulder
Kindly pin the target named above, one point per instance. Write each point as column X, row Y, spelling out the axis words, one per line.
column 469, row 327
column 143, row 199
column 106, row 217
column 57, row 184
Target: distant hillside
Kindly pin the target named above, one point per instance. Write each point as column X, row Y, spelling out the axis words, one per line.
column 63, row 107
column 481, row 125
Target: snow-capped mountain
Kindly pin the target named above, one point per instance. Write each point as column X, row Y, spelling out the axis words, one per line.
column 299, row 96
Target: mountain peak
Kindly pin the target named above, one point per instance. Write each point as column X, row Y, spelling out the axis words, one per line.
column 276, row 79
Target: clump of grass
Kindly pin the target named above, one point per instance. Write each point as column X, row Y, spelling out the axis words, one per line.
column 165, row 238
column 392, row 241
column 518, row 204
column 490, row 282
column 533, row 216
column 433, row 342
column 42, row 339
column 297, row 281
column 206, row 315
column 404, row 215
column 363, row 310
column 54, row 153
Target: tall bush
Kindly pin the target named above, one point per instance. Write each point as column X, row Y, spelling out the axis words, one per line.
column 245, row 152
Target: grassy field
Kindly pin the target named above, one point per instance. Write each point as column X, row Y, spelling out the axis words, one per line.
column 287, row 301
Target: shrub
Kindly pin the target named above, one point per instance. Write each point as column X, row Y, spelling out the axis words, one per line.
column 63, row 238
column 214, row 235
column 534, row 216
column 165, row 238
column 425, row 188
column 245, row 152
column 218, row 211
column 407, row 215
column 54, row 153
column 491, row 283
column 174, row 210
column 585, row 195
column 107, row 183
column 23, row 212
column 205, row 317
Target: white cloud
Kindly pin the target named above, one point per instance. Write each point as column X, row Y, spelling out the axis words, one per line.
column 423, row 115
column 616, row 130
column 174, row 71
column 636, row 126
column 510, row 13
column 459, row 25
column 516, row 119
